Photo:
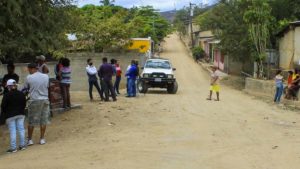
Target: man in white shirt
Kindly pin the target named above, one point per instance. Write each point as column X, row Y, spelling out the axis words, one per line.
column 93, row 81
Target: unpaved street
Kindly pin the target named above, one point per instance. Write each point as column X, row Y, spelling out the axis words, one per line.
column 162, row 131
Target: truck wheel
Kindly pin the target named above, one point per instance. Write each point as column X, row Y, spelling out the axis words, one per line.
column 142, row 87
column 172, row 89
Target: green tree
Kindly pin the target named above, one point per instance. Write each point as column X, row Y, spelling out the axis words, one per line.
column 107, row 2
column 102, row 28
column 227, row 23
column 146, row 22
column 32, row 27
column 181, row 18
column 258, row 18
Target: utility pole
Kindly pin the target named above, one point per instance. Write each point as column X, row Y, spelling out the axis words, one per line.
column 191, row 22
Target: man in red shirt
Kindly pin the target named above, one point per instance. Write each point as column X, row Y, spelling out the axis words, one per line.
column 118, row 76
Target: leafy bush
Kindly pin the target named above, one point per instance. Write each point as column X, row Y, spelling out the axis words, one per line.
column 198, row 53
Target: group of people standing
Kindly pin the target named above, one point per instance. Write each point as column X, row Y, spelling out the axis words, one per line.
column 34, row 94
column 110, row 75
column 293, row 85
column 14, row 102
column 36, row 87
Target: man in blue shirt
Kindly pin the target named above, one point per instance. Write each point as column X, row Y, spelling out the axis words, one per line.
column 105, row 73
column 132, row 74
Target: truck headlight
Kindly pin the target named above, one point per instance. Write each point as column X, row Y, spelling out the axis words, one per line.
column 146, row 75
column 170, row 76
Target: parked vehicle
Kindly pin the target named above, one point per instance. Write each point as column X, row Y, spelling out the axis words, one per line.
column 158, row 73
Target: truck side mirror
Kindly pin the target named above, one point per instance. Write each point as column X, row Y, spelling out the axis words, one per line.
column 174, row 69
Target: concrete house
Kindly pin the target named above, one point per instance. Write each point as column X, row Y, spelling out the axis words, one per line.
column 289, row 46
column 208, row 43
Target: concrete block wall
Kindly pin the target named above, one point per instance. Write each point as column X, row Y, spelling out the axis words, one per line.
column 21, row 70
column 260, row 87
column 78, row 64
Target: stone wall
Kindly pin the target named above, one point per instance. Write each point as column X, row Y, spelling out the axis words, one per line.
column 21, row 70
column 78, row 64
column 260, row 87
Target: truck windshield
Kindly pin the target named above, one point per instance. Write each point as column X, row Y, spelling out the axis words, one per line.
column 158, row 64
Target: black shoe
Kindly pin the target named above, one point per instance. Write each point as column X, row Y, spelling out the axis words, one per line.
column 22, row 148
column 11, row 150
column 114, row 100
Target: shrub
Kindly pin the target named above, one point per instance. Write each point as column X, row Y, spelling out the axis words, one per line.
column 198, row 53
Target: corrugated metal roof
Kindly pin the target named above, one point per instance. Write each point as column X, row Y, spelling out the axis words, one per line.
column 292, row 25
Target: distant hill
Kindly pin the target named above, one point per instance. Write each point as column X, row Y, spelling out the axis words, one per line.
column 169, row 15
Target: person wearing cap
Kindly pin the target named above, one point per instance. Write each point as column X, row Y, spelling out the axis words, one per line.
column 38, row 105
column 10, row 75
column 42, row 66
column 214, row 84
column 13, row 113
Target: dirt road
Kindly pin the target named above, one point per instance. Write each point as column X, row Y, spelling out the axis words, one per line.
column 161, row 131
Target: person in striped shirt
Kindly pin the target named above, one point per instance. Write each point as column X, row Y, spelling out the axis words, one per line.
column 65, row 82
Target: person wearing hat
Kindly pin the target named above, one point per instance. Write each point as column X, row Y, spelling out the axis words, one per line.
column 13, row 113
column 42, row 66
column 37, row 84
column 214, row 84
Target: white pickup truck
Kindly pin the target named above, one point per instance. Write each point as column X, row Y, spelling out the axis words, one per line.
column 158, row 73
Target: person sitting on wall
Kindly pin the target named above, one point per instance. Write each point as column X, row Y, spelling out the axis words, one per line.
column 289, row 84
column 294, row 88
column 42, row 66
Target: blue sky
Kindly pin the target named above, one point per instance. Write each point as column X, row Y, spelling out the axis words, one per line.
column 162, row 5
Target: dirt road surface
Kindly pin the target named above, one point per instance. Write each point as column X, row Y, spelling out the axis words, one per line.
column 162, row 131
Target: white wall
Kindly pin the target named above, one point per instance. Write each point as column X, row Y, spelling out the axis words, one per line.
column 286, row 50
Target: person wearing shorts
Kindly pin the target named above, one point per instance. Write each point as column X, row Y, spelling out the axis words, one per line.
column 38, row 105
column 214, row 84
